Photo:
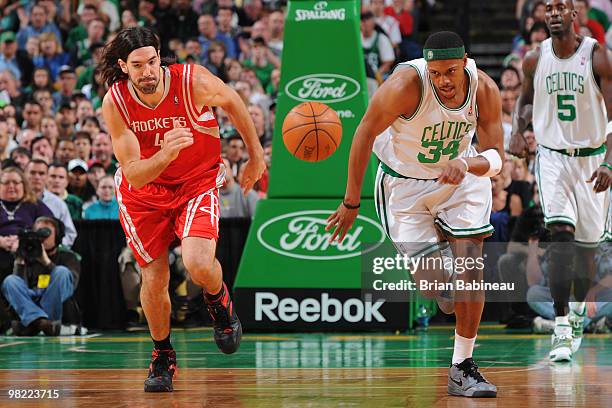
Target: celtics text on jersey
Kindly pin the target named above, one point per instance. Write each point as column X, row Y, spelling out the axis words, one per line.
column 419, row 146
column 568, row 107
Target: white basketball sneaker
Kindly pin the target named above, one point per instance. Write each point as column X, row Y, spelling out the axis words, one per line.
column 561, row 343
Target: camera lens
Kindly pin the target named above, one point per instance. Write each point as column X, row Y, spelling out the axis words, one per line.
column 43, row 232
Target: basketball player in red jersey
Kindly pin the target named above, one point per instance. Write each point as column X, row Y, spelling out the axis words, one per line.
column 166, row 139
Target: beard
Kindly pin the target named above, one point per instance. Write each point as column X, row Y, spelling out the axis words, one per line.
column 147, row 85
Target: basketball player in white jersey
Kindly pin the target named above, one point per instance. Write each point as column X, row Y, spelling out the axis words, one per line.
column 565, row 92
column 431, row 181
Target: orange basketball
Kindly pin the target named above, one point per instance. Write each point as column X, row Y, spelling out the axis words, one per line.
column 312, row 131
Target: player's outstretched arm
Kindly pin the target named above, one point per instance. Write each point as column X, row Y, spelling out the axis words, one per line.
column 137, row 171
column 399, row 95
column 209, row 90
column 524, row 105
column 602, row 68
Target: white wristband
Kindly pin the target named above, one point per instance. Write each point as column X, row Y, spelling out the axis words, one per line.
column 495, row 162
column 467, row 166
column 609, row 128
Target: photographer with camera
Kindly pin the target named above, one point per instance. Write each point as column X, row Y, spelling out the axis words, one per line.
column 37, row 173
column 45, row 276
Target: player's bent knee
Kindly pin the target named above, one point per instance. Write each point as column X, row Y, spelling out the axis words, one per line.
column 154, row 285
column 200, row 268
column 562, row 248
column 154, row 282
column 563, row 235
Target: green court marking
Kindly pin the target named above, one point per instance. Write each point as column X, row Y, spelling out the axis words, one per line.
column 495, row 347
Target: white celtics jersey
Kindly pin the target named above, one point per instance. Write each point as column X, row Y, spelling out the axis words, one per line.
column 419, row 146
column 568, row 107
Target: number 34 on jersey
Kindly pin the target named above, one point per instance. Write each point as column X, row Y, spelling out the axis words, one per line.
column 442, row 139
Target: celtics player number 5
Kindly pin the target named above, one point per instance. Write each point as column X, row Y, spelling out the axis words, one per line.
column 566, row 108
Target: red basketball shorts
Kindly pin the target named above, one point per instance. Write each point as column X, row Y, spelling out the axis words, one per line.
column 155, row 216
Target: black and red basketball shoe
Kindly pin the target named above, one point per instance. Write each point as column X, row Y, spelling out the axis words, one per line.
column 227, row 327
column 162, row 371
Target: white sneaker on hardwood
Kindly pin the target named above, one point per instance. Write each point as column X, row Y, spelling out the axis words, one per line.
column 561, row 344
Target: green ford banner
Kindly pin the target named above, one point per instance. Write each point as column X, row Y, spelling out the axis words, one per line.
column 289, row 247
column 290, row 276
column 322, row 61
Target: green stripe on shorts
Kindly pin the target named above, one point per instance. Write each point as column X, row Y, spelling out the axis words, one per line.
column 559, row 219
column 465, row 232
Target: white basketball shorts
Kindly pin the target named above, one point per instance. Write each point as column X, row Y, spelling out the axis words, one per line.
column 567, row 198
column 410, row 209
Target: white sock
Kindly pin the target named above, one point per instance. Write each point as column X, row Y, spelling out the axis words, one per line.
column 463, row 348
column 577, row 307
column 562, row 320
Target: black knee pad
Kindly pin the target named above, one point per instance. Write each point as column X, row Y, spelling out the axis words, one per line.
column 562, row 249
column 563, row 236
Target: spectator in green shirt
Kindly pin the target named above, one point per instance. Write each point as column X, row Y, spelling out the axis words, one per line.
column 87, row 75
column 261, row 61
column 82, row 54
column 79, row 32
column 57, row 184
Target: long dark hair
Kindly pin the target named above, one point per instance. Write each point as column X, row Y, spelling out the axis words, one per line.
column 126, row 41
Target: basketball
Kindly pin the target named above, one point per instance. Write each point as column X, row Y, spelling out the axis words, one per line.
column 312, row 131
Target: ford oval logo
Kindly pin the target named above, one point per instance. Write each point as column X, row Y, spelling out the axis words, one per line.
column 302, row 235
column 328, row 88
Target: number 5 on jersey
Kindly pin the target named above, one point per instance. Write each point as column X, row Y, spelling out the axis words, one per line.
column 566, row 107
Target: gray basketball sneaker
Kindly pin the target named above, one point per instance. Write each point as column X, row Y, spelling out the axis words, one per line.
column 464, row 380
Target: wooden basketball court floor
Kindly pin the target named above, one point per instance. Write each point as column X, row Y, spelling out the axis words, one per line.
column 303, row 370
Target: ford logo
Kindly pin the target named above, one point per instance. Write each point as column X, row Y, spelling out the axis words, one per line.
column 328, row 88
column 302, row 235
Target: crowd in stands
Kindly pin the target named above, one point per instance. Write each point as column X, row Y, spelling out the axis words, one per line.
column 389, row 31
column 56, row 153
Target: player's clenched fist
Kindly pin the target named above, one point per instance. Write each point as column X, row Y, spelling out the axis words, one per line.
column 453, row 173
column 176, row 140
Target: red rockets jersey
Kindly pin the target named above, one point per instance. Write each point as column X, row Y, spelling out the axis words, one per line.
column 200, row 164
